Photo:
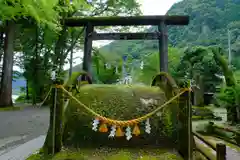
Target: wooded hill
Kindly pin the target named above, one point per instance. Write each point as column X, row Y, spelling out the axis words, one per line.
column 209, row 24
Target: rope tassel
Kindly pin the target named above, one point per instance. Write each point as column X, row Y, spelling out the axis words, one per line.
column 119, row 132
column 136, row 130
column 103, row 128
column 113, row 130
column 112, row 121
column 147, row 126
column 95, row 124
column 128, row 133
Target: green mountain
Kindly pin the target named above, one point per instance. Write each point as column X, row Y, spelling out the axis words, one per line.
column 209, row 24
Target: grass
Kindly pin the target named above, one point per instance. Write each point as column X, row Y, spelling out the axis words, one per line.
column 16, row 107
column 10, row 108
column 111, row 154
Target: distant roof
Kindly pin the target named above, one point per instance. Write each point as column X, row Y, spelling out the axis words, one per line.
column 127, row 21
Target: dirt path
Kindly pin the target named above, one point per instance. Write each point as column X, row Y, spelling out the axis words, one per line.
column 18, row 127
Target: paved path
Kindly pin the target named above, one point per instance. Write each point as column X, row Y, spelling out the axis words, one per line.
column 19, row 127
column 25, row 150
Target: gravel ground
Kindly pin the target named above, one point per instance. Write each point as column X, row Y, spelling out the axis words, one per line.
column 18, row 127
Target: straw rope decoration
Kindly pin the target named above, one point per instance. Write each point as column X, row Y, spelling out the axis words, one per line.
column 118, row 125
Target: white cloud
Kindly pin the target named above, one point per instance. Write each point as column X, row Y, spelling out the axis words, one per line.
column 156, row 7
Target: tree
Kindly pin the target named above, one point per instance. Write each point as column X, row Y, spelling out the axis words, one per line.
column 11, row 13
column 229, row 97
column 67, row 39
column 1, row 42
column 198, row 65
column 6, row 82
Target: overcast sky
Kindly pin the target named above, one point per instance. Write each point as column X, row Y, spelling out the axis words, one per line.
column 156, row 7
column 148, row 7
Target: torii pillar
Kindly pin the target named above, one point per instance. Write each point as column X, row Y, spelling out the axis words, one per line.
column 163, row 47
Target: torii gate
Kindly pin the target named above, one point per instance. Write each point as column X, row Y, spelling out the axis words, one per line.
column 161, row 21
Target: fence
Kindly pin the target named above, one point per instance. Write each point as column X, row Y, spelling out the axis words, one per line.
column 234, row 140
column 219, row 148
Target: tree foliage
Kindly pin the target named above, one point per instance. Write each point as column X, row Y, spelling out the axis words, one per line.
column 28, row 9
column 209, row 21
column 103, row 70
column 200, row 61
column 229, row 94
column 151, row 65
column 44, row 41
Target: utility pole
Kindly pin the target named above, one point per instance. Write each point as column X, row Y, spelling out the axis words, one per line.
column 229, row 48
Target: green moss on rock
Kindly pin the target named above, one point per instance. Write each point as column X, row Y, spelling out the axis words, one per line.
column 165, row 81
column 120, row 102
column 169, row 86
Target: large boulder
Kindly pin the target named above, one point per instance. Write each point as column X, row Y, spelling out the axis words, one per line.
column 120, row 102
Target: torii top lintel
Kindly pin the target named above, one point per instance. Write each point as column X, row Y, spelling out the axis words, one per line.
column 127, row 21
